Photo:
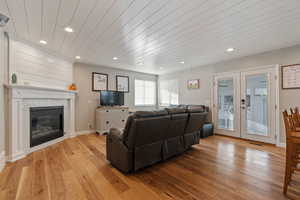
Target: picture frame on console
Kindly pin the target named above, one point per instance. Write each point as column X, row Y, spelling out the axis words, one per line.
column 99, row 82
column 122, row 83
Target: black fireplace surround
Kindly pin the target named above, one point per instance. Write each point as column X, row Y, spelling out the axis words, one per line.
column 46, row 123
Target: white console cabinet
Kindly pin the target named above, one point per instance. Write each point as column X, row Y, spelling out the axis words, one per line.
column 111, row 117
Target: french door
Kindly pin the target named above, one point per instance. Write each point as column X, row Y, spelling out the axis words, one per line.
column 227, row 104
column 244, row 104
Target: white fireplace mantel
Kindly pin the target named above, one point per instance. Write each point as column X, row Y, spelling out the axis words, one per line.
column 21, row 98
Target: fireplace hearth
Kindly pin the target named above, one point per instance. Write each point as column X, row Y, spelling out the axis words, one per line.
column 46, row 124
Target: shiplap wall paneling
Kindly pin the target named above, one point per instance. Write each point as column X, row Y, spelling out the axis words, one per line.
column 36, row 67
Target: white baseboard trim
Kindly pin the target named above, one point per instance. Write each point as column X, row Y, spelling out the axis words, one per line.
column 281, row 144
column 2, row 160
column 16, row 156
column 85, row 132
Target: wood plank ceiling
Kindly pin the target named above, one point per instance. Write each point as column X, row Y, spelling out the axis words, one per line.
column 155, row 36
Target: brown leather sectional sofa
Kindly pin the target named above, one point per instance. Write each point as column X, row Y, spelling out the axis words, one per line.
column 153, row 136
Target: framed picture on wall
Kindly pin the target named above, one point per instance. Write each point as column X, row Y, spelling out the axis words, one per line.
column 290, row 76
column 122, row 83
column 99, row 81
column 193, row 84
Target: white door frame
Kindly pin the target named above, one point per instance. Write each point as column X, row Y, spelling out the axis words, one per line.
column 276, row 68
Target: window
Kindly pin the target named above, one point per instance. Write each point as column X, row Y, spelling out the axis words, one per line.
column 145, row 93
column 168, row 92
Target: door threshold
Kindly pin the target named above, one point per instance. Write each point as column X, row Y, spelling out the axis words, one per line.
column 253, row 142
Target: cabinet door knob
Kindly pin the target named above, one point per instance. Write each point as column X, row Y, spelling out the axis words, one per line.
column 123, row 120
column 107, row 122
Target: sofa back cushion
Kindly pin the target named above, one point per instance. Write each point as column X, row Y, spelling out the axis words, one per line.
column 177, row 110
column 146, row 114
column 197, row 117
column 178, row 120
column 146, row 127
column 196, row 108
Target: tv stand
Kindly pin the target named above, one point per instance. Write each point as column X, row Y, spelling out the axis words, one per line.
column 108, row 117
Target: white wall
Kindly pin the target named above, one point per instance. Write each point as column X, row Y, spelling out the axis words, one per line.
column 39, row 68
column 288, row 98
column 87, row 100
column 192, row 96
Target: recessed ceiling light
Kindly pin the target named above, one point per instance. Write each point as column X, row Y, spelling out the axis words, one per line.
column 77, row 57
column 43, row 42
column 69, row 29
column 182, row 62
column 230, row 49
column 161, row 68
column 115, row 58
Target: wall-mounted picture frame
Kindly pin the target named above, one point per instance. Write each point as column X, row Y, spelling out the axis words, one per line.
column 290, row 76
column 122, row 83
column 99, row 82
column 193, row 84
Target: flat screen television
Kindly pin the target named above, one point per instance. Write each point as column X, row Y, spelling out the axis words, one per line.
column 111, row 98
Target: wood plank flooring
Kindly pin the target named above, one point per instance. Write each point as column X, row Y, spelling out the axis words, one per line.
column 218, row 168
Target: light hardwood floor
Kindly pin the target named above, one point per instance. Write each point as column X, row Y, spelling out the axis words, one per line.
column 219, row 168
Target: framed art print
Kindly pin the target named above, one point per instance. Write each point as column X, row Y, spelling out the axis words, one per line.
column 99, row 81
column 122, row 83
column 193, row 84
column 290, row 76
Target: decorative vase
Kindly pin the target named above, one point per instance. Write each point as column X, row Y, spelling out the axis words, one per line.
column 14, row 78
column 72, row 87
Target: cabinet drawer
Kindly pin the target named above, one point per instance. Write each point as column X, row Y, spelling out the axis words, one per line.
column 119, row 123
column 111, row 118
column 107, row 125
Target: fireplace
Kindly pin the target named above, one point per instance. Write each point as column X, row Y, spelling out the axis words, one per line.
column 46, row 123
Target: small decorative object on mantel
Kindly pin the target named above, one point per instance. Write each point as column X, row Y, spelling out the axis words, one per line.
column 291, row 76
column 122, row 83
column 73, row 87
column 193, row 84
column 14, row 78
column 99, row 82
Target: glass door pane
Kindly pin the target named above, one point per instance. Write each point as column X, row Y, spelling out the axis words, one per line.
column 257, row 104
column 226, row 104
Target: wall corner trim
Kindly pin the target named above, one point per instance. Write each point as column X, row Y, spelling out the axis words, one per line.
column 2, row 160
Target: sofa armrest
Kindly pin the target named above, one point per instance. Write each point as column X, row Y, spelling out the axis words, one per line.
column 115, row 133
column 117, row 152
